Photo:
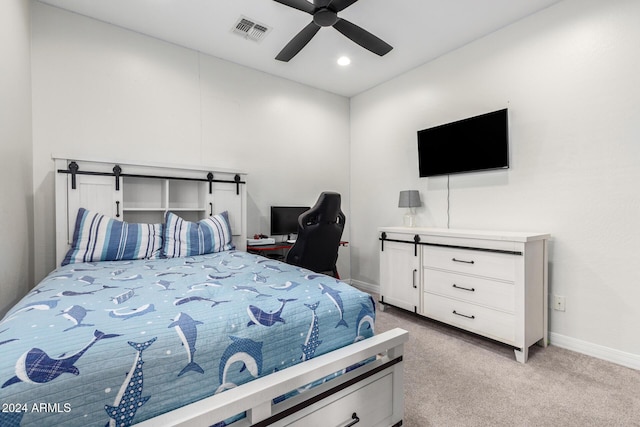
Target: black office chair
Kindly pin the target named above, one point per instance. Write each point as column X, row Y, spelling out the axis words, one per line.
column 319, row 232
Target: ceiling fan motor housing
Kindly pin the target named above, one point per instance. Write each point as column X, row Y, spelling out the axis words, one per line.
column 325, row 17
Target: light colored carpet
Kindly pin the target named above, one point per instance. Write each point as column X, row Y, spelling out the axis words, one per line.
column 453, row 378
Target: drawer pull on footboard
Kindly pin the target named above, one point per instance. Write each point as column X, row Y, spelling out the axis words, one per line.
column 461, row 260
column 464, row 315
column 463, row 288
column 355, row 419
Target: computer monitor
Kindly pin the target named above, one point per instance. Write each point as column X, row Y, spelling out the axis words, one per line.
column 284, row 219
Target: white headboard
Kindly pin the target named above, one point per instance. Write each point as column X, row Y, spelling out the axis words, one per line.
column 144, row 192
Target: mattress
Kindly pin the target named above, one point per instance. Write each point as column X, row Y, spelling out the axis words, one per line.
column 123, row 341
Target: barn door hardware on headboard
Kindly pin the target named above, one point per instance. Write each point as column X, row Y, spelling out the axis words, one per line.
column 238, row 182
column 210, row 179
column 117, row 170
column 74, row 170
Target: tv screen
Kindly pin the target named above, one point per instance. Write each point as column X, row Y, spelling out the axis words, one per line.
column 473, row 144
column 284, row 219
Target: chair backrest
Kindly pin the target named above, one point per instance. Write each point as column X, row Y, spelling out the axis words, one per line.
column 319, row 233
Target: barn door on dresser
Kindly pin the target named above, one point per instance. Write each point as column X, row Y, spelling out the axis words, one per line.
column 400, row 274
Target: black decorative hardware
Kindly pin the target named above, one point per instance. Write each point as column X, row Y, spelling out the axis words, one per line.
column 463, row 288
column 237, row 181
column 210, row 209
column 117, row 170
column 210, row 178
column 463, row 261
column 117, row 209
column 355, row 419
column 416, row 241
column 463, row 315
column 73, row 170
column 470, row 248
column 383, row 237
column 414, row 278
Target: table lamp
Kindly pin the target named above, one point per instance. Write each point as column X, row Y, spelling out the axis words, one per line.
column 409, row 199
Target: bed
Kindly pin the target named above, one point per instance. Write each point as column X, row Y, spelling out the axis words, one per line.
column 172, row 323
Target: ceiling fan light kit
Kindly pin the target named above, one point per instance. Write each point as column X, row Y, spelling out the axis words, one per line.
column 344, row 61
column 325, row 14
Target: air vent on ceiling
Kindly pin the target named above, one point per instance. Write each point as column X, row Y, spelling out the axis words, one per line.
column 250, row 29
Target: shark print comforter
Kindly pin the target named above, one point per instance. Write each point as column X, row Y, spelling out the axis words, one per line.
column 115, row 343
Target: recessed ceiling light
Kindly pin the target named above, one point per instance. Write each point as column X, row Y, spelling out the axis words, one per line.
column 344, row 60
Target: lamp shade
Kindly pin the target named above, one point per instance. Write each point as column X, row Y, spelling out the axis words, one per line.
column 409, row 199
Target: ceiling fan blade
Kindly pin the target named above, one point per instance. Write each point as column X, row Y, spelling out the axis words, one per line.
column 302, row 5
column 362, row 37
column 321, row 3
column 298, row 42
column 339, row 5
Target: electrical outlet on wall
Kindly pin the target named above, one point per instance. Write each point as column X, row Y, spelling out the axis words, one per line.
column 558, row 302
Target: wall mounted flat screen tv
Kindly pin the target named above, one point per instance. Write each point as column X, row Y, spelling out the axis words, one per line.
column 284, row 219
column 473, row 144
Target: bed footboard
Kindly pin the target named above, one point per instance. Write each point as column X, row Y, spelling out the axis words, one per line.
column 371, row 394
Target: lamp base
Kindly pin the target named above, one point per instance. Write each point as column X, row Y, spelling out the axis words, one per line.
column 409, row 219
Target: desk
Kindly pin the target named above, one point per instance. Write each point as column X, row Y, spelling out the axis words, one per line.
column 259, row 249
column 278, row 246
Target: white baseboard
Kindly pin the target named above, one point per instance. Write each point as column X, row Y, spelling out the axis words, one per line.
column 594, row 350
column 364, row 286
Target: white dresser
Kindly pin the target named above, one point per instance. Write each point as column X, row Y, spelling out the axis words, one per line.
column 488, row 282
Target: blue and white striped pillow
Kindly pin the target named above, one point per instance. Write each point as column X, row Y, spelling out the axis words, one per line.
column 184, row 238
column 97, row 237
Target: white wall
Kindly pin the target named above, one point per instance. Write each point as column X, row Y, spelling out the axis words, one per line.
column 16, row 201
column 569, row 76
column 103, row 92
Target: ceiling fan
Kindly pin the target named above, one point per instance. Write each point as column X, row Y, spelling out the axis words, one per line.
column 325, row 14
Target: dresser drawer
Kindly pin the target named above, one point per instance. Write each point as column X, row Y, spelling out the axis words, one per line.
column 477, row 290
column 372, row 404
column 488, row 264
column 481, row 320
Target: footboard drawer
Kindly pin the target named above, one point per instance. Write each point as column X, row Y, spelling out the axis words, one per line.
column 362, row 405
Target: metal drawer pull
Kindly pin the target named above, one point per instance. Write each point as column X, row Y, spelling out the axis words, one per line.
column 414, row 278
column 464, row 289
column 355, row 419
column 464, row 315
column 461, row 260
column 117, row 209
